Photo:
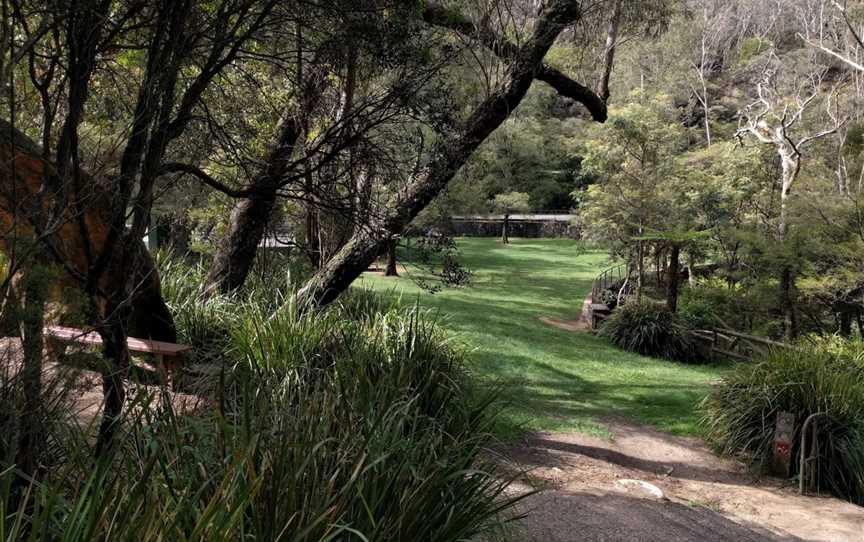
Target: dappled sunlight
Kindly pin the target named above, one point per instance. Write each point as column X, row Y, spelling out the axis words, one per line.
column 554, row 379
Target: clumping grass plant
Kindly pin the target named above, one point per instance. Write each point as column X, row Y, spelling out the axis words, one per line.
column 820, row 376
column 648, row 329
column 356, row 423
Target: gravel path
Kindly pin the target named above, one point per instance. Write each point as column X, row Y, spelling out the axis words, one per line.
column 599, row 490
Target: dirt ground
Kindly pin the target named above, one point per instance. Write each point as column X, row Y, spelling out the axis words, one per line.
column 581, row 323
column 84, row 387
column 592, row 489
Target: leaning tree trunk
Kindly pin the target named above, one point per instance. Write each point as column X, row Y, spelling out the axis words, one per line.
column 446, row 158
column 237, row 249
column 673, row 277
column 250, row 216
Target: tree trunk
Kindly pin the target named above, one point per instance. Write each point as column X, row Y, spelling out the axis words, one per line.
column 691, row 269
column 504, row 226
column 787, row 303
column 178, row 236
column 31, row 323
column 445, row 159
column 114, row 392
column 249, row 218
column 391, row 270
column 609, row 53
column 673, row 276
column 845, row 316
column 640, row 270
column 789, row 167
column 237, row 249
column 312, row 246
column 250, row 215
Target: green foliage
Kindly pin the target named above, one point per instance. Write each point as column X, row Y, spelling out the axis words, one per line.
column 351, row 424
column 751, row 48
column 533, row 152
column 648, row 329
column 697, row 312
column 712, row 303
column 634, row 158
column 512, row 202
column 825, row 377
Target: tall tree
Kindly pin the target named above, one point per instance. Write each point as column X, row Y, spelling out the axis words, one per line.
column 449, row 153
column 773, row 120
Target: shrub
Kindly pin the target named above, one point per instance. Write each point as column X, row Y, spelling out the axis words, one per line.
column 826, row 377
column 648, row 329
column 356, row 423
column 696, row 312
column 712, row 303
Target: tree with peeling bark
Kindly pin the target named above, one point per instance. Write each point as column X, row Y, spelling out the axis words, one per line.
column 779, row 120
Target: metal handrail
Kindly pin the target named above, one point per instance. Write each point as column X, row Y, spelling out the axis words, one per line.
column 814, row 454
column 607, row 278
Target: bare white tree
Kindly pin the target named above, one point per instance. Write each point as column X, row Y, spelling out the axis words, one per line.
column 715, row 25
column 776, row 118
column 824, row 30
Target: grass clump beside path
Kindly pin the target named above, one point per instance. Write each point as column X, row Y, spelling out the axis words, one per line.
column 553, row 379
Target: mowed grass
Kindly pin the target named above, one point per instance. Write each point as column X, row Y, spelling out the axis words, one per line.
column 552, row 379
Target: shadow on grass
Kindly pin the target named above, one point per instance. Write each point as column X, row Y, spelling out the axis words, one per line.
column 554, row 379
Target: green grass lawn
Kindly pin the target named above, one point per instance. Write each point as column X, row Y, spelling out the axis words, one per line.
column 552, row 379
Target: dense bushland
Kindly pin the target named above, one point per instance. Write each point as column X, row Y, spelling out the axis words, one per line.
column 356, row 423
column 826, row 377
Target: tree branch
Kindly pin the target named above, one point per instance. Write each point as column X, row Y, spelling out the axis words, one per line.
column 201, row 175
column 437, row 15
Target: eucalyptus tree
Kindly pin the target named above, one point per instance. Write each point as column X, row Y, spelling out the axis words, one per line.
column 453, row 147
column 383, row 87
column 777, row 118
column 635, row 162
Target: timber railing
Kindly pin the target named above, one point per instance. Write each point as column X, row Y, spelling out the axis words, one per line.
column 733, row 344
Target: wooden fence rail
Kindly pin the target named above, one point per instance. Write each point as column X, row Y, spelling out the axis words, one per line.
column 735, row 345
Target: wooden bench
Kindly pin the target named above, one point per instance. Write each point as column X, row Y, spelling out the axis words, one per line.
column 168, row 355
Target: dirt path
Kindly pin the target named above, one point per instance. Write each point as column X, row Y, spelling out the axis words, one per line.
column 590, row 490
column 581, row 323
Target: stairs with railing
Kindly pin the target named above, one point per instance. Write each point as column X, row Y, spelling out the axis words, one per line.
column 609, row 289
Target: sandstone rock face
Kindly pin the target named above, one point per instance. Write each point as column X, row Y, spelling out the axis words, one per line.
column 76, row 236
